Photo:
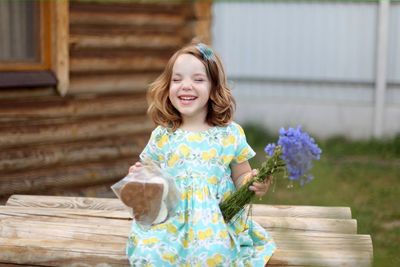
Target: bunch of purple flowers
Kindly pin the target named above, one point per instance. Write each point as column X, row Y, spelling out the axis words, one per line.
column 292, row 155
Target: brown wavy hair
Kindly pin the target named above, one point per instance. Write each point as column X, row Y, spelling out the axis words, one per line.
column 221, row 104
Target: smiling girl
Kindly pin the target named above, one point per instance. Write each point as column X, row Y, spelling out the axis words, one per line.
column 197, row 143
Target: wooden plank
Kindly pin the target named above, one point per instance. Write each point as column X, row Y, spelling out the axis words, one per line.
column 270, row 223
column 33, row 93
column 62, row 130
column 154, row 41
column 168, row 7
column 121, row 83
column 108, row 204
column 115, row 204
column 89, row 29
column 73, row 106
column 344, row 226
column 84, row 174
column 56, row 253
column 140, row 19
column 46, row 155
column 310, row 249
column 39, row 252
column 105, row 230
column 60, row 48
column 90, row 65
column 327, row 258
column 301, row 211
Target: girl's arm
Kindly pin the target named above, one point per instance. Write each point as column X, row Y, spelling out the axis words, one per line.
column 242, row 172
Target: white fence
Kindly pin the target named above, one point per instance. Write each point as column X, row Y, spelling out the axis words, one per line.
column 313, row 64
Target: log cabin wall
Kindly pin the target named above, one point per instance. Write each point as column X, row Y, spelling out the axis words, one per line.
column 83, row 142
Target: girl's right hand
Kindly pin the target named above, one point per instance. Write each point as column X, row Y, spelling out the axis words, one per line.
column 135, row 167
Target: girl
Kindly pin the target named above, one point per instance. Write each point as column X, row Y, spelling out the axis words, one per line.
column 197, row 143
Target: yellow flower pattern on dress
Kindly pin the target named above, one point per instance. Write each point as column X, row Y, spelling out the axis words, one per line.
column 229, row 140
column 162, row 141
column 171, row 258
column 215, row 261
column 213, row 180
column 173, row 160
column 227, row 159
column 194, row 137
column 243, row 155
column 150, row 241
column 208, row 155
column 197, row 235
column 184, row 150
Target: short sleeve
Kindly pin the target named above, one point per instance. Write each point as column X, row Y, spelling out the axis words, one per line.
column 152, row 150
column 243, row 150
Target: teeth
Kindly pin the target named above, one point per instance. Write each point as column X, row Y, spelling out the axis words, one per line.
column 187, row 98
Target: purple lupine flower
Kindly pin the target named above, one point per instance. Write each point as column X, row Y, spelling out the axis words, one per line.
column 298, row 152
column 269, row 149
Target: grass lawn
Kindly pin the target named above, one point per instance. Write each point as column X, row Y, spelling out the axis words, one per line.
column 362, row 175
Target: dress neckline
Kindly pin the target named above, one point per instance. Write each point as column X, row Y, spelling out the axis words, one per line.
column 197, row 132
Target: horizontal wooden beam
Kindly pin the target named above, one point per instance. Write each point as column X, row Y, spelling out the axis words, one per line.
column 81, row 41
column 140, row 19
column 75, row 175
column 68, row 106
column 344, row 226
column 131, row 7
column 47, row 155
column 65, row 129
column 96, row 64
column 115, row 204
column 301, row 211
column 116, row 83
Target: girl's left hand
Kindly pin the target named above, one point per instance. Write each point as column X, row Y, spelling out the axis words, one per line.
column 260, row 189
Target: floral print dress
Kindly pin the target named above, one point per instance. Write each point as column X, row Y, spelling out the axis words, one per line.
column 197, row 234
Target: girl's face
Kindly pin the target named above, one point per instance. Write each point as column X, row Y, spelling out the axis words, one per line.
column 190, row 87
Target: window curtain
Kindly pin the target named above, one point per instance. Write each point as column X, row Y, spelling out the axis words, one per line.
column 19, row 31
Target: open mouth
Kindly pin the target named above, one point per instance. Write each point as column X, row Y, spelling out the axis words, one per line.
column 187, row 99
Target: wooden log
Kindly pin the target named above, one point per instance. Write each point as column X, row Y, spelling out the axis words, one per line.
column 140, row 19
column 108, row 204
column 121, row 83
column 58, row 253
column 11, row 93
column 168, row 7
column 39, row 252
column 84, row 174
column 116, row 204
column 311, row 249
column 92, row 65
column 269, row 223
column 344, row 226
column 66, row 129
column 99, row 231
column 301, row 211
column 46, row 155
column 73, row 106
column 81, row 41
column 320, row 257
column 107, row 29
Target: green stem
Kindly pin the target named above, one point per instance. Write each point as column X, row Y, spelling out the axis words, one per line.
column 243, row 196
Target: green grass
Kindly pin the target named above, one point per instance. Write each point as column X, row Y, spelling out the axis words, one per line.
column 362, row 175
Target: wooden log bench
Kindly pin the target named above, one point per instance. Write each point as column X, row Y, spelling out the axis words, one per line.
column 77, row 231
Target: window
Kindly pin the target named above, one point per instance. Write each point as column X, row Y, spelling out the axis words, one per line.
column 33, row 40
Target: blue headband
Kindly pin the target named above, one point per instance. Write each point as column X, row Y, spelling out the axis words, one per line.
column 205, row 51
